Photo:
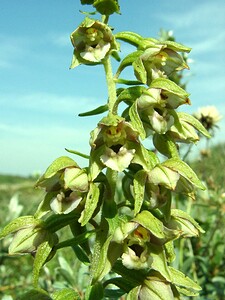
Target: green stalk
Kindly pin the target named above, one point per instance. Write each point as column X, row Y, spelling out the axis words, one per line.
column 112, row 97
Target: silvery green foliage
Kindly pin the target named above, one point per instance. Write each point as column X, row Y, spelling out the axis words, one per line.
column 128, row 233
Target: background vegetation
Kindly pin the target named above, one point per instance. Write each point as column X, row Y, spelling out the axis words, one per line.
column 201, row 258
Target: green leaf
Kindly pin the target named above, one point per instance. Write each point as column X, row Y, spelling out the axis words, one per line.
column 176, row 46
column 96, row 165
column 78, row 153
column 94, row 292
column 136, row 120
column 130, row 37
column 66, row 294
column 35, row 294
column 165, row 145
column 41, row 256
column 130, row 94
column 159, row 262
column 194, row 122
column 147, row 159
column 56, row 222
column 107, row 7
column 184, row 170
column 99, row 110
column 128, row 61
column 100, row 264
column 120, row 282
column 139, row 190
column 90, row 204
column 140, row 70
column 19, row 223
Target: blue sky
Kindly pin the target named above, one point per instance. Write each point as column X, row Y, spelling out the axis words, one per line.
column 40, row 97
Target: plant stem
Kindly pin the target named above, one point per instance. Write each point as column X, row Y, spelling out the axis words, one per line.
column 112, row 97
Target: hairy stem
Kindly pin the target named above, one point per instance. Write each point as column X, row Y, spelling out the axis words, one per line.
column 112, row 97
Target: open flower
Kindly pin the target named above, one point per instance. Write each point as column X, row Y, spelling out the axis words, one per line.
column 135, row 239
column 158, row 60
column 66, row 184
column 92, row 42
column 208, row 116
column 117, row 141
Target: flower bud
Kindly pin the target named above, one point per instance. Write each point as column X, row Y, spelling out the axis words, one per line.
column 27, row 240
column 76, row 179
column 107, row 7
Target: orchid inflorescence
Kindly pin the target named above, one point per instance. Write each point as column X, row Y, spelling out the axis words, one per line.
column 119, row 207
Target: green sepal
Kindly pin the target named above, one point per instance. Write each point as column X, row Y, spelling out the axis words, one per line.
column 44, row 206
column 35, row 294
column 166, row 208
column 165, row 145
column 184, row 170
column 94, row 292
column 155, row 226
column 194, row 122
column 183, row 222
column 139, row 190
column 169, row 86
column 136, row 120
column 57, row 165
column 68, row 294
column 186, row 286
column 99, row 110
column 41, row 257
column 75, row 62
column 19, row 223
column 130, row 37
column 90, row 204
column 127, row 81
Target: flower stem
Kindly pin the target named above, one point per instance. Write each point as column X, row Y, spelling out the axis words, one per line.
column 112, row 97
